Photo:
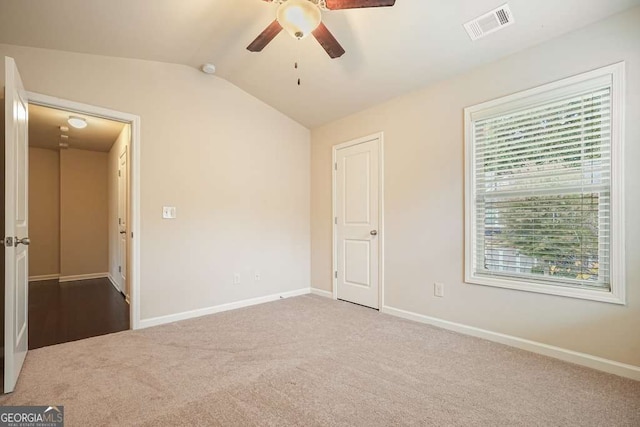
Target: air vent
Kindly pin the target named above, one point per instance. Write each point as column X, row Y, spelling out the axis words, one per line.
column 490, row 22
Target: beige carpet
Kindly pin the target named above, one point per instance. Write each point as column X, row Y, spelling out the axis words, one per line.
column 311, row 361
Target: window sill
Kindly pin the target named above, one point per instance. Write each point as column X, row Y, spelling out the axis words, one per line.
column 611, row 297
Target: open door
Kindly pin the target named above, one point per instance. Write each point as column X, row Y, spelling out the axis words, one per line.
column 16, row 211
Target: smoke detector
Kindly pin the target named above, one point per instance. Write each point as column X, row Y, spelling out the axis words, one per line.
column 490, row 22
column 208, row 68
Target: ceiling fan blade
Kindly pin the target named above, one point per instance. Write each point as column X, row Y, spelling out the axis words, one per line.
column 265, row 37
column 327, row 41
column 354, row 4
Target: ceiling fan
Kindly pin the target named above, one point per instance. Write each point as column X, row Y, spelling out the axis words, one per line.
column 303, row 17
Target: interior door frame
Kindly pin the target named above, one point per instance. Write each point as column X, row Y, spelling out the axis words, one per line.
column 334, row 264
column 134, row 184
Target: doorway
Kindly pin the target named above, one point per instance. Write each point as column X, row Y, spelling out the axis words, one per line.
column 132, row 285
column 358, row 221
column 15, row 100
column 77, row 210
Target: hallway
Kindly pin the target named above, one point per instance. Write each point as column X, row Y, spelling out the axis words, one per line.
column 70, row 311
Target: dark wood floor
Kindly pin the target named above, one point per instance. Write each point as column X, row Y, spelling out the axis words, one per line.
column 70, row 311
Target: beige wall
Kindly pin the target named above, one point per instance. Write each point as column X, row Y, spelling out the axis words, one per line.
column 44, row 212
column 236, row 169
column 83, row 212
column 424, row 208
column 118, row 147
column 67, row 212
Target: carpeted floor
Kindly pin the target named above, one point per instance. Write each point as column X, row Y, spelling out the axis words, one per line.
column 311, row 361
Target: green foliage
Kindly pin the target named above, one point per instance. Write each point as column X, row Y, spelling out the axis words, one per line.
column 560, row 232
column 558, row 229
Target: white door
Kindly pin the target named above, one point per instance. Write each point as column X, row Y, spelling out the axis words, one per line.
column 16, row 225
column 357, row 222
column 123, row 197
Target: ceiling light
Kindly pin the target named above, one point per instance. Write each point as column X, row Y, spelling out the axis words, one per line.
column 63, row 145
column 77, row 122
column 299, row 17
column 64, row 129
column 64, row 136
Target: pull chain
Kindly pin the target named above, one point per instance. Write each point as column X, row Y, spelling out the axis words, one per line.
column 295, row 65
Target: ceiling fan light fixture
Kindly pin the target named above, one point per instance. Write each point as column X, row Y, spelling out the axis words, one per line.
column 299, row 17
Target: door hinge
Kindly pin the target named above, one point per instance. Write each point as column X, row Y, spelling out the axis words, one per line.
column 335, row 274
column 119, row 269
column 132, row 234
column 119, row 173
column 8, row 242
column 335, row 220
column 119, row 221
column 335, row 165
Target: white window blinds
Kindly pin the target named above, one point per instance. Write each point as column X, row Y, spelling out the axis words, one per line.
column 542, row 188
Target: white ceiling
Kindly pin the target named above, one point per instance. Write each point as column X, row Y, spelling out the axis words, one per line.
column 44, row 130
column 390, row 51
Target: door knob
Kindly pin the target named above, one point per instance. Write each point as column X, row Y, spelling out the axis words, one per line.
column 374, row 232
column 25, row 241
column 123, row 232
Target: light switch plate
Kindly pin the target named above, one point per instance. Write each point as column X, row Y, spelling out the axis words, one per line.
column 168, row 212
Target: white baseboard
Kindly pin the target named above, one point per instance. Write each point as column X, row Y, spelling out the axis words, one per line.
column 321, row 293
column 43, row 277
column 161, row 320
column 114, row 283
column 583, row 359
column 83, row 277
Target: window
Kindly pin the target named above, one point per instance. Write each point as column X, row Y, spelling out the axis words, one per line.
column 544, row 197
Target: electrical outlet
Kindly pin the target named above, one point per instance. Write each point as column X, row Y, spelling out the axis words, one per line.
column 236, row 278
column 256, row 276
column 438, row 289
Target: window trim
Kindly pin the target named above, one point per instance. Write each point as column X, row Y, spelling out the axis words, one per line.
column 531, row 97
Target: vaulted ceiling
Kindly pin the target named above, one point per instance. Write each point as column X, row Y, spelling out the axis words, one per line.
column 389, row 51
